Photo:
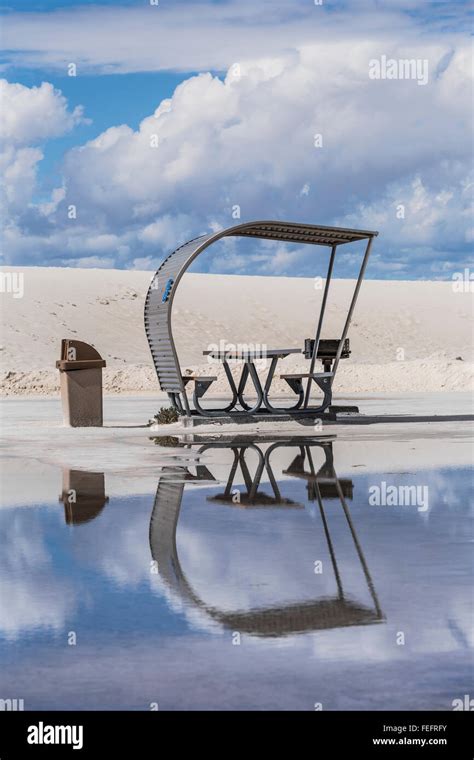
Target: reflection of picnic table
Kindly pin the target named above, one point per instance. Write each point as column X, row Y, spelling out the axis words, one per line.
column 253, row 496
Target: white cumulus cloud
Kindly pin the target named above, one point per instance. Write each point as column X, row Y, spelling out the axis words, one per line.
column 28, row 117
column 304, row 135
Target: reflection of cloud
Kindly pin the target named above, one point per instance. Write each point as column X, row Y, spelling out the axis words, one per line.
column 251, row 560
column 33, row 593
column 198, row 672
column 124, row 560
column 35, row 602
column 244, row 559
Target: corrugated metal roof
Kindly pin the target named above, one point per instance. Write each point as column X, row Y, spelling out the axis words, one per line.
column 294, row 232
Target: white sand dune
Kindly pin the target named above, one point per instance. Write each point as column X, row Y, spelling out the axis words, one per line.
column 405, row 336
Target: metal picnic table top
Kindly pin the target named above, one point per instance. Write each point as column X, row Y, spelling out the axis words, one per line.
column 270, row 353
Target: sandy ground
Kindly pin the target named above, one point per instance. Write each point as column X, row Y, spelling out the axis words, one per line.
column 405, row 336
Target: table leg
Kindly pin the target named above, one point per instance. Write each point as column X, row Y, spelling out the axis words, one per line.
column 233, row 389
column 245, row 470
column 216, row 412
column 271, row 476
column 258, row 473
column 233, row 470
column 266, row 391
column 256, row 382
column 241, row 387
column 249, row 369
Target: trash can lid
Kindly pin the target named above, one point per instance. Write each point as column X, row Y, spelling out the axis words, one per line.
column 64, row 365
column 75, row 354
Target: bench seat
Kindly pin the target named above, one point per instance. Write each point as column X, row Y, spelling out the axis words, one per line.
column 322, row 380
column 301, row 375
column 202, row 384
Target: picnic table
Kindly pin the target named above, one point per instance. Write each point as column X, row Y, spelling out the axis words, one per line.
column 249, row 357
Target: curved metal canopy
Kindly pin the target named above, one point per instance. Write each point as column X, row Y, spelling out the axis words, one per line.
column 159, row 299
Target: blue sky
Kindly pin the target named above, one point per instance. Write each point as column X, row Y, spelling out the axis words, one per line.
column 186, row 117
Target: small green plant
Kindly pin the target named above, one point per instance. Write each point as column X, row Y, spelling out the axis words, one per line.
column 166, row 416
column 165, row 440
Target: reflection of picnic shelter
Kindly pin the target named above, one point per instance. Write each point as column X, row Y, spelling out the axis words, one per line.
column 158, row 326
column 276, row 620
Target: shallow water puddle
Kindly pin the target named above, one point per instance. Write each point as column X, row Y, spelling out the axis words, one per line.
column 289, row 574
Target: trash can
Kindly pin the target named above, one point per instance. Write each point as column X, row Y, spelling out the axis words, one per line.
column 80, row 373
